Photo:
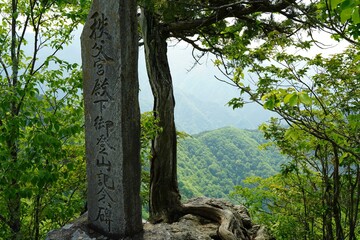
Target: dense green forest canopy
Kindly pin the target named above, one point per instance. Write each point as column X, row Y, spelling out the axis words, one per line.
column 213, row 162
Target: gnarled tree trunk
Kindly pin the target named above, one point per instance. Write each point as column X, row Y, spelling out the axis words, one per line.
column 165, row 205
column 164, row 193
column 231, row 226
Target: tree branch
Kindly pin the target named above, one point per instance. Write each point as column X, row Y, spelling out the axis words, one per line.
column 6, row 72
column 238, row 10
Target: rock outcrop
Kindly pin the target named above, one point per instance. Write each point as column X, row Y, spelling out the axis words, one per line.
column 189, row 227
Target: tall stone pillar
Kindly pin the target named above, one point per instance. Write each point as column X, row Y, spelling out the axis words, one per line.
column 109, row 46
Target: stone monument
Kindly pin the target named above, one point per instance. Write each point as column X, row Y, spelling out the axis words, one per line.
column 109, row 45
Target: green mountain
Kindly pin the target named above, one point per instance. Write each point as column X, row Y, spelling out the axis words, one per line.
column 197, row 113
column 212, row 163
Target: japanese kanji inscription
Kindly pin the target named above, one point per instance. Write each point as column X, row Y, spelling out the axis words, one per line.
column 109, row 56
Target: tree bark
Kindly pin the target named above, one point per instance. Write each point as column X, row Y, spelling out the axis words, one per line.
column 231, row 226
column 336, row 192
column 14, row 203
column 326, row 195
column 165, row 204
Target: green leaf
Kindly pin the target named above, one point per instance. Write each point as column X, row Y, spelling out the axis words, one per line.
column 294, row 100
column 305, row 99
column 343, row 157
column 26, row 193
column 236, row 103
column 57, row 126
column 217, row 62
column 287, row 98
column 335, row 3
column 289, row 134
column 291, row 99
column 346, row 14
column 356, row 15
column 269, row 104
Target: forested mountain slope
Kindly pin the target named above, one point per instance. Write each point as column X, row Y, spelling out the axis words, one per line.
column 212, row 163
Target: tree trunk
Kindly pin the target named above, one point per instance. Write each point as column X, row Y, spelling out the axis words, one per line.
column 231, row 226
column 322, row 155
column 37, row 217
column 352, row 234
column 14, row 203
column 165, row 204
column 14, row 211
column 352, row 200
column 336, row 191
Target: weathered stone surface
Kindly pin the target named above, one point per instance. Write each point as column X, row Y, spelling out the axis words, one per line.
column 189, row 227
column 112, row 117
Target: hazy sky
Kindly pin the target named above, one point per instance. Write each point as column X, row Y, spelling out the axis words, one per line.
column 180, row 59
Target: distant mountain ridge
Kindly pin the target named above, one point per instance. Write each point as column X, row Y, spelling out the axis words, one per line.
column 200, row 99
column 213, row 162
column 195, row 113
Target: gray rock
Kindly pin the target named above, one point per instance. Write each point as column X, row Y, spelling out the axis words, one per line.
column 189, row 227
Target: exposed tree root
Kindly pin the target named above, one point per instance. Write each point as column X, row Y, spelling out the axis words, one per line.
column 231, row 226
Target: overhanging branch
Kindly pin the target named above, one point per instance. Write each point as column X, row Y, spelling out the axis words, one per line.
column 237, row 10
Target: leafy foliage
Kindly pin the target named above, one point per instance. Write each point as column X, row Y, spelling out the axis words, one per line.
column 341, row 12
column 318, row 102
column 287, row 204
column 149, row 130
column 41, row 118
